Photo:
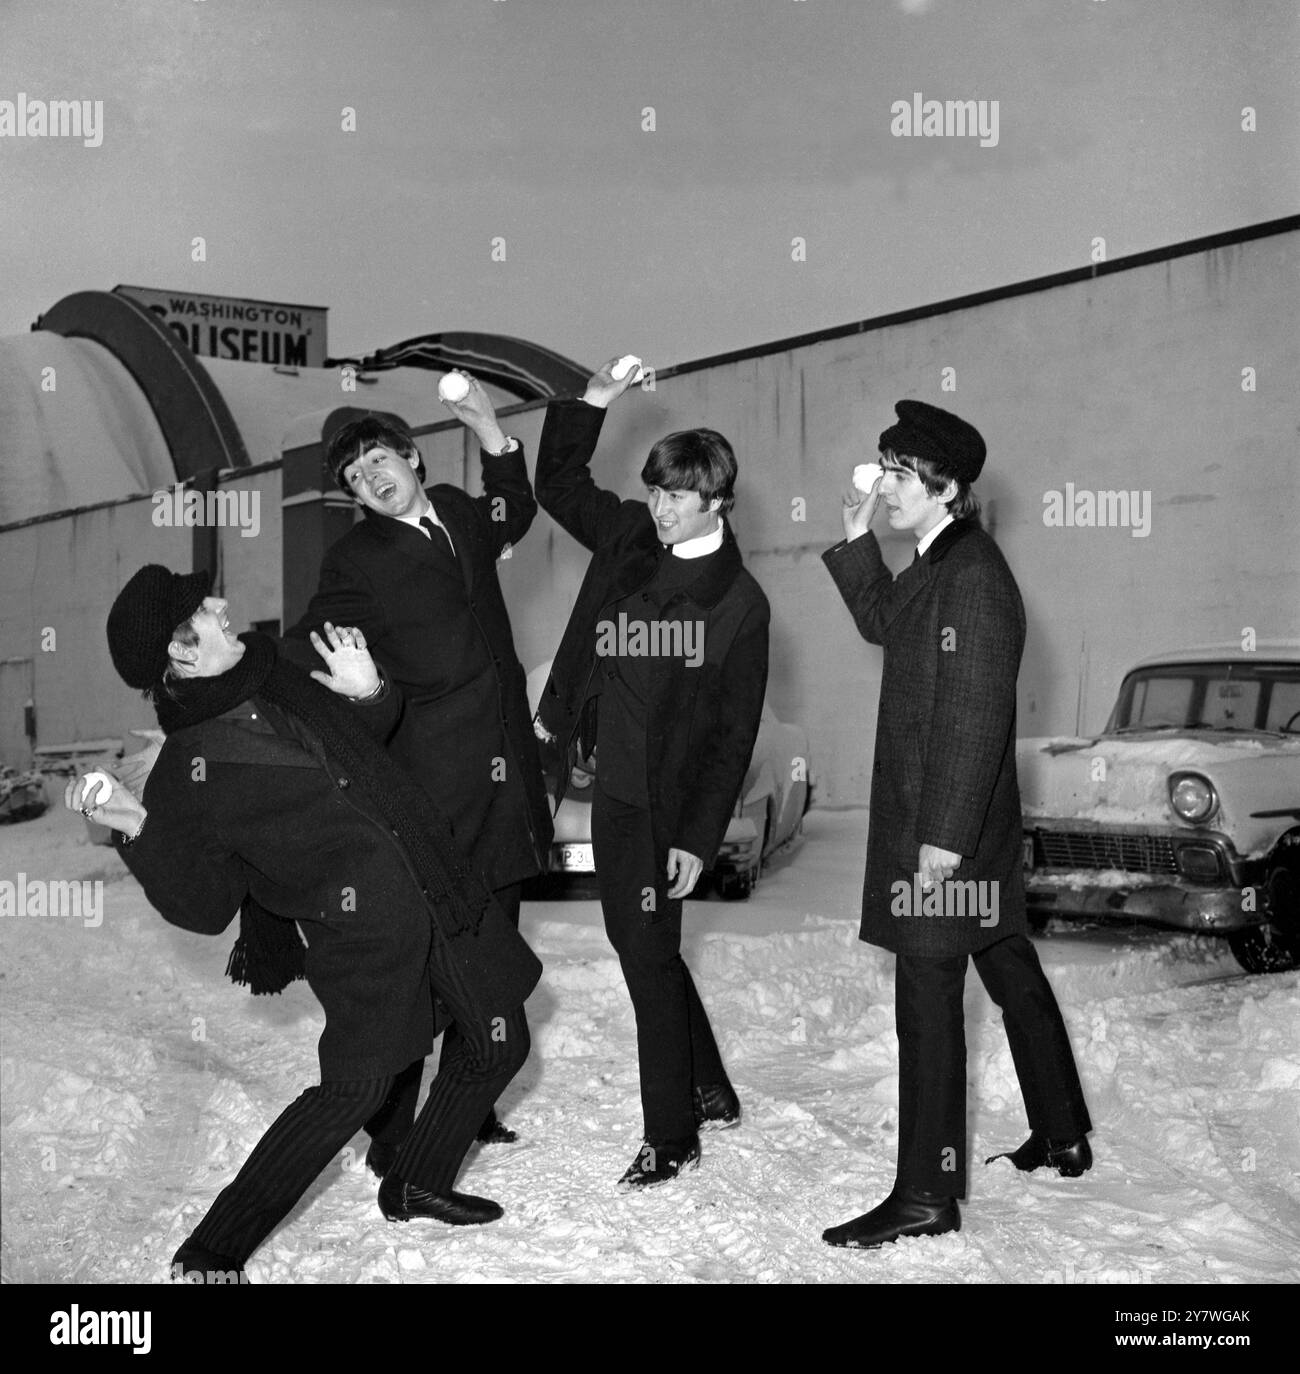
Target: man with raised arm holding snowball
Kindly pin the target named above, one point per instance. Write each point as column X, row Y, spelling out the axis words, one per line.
column 673, row 732
column 418, row 576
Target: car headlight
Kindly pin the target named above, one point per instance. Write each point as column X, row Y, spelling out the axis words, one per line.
column 1192, row 797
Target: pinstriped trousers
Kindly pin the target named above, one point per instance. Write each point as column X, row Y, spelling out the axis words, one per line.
column 395, row 1117
column 314, row 1128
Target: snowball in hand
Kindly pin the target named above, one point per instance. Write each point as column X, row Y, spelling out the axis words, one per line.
column 624, row 365
column 866, row 475
column 99, row 787
column 453, row 387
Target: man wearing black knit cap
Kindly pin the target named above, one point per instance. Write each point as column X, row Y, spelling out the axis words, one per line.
column 944, row 880
column 274, row 799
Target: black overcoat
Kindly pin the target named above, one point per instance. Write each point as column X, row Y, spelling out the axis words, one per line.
column 701, row 721
column 440, row 629
column 249, row 804
column 952, row 626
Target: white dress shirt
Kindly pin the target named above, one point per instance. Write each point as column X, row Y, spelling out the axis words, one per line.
column 700, row 546
column 923, row 544
column 428, row 513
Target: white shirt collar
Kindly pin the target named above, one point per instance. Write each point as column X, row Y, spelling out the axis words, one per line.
column 923, row 544
column 700, row 546
column 414, row 520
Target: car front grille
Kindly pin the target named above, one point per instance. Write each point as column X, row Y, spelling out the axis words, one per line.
column 1075, row 849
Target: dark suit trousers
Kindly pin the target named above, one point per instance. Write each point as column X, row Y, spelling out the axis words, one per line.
column 394, row 1118
column 675, row 1045
column 932, row 1058
column 310, row 1133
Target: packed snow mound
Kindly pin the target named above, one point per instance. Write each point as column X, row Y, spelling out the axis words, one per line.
column 136, row 1079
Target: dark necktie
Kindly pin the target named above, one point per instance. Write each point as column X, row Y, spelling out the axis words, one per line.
column 438, row 537
column 916, row 557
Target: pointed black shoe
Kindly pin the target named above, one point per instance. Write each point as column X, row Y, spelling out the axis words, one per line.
column 400, row 1201
column 657, row 1162
column 380, row 1157
column 194, row 1264
column 493, row 1132
column 905, row 1212
column 716, row 1106
column 1069, row 1158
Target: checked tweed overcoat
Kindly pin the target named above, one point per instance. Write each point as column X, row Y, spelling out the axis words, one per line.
column 952, row 626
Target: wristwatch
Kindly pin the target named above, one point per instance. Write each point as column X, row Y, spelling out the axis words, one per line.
column 511, row 446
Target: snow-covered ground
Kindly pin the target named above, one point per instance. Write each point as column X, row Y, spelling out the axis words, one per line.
column 136, row 1079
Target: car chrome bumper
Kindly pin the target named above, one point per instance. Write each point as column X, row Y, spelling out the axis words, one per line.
column 1210, row 910
column 739, row 851
column 573, row 857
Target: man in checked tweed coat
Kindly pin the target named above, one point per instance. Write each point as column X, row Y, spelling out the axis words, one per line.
column 944, row 879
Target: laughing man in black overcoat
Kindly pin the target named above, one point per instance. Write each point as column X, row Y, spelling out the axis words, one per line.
column 418, row 576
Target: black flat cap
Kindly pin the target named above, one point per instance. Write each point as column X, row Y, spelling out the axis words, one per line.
column 925, row 431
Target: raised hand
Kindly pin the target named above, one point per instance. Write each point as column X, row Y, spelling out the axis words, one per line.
column 602, row 388
column 352, row 672
column 859, row 509
column 477, row 413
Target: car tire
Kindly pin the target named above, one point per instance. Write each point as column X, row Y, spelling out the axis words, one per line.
column 735, row 887
column 1274, row 947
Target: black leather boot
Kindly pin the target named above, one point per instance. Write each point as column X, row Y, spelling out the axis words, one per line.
column 716, row 1106
column 659, row 1161
column 401, row 1201
column 1070, row 1158
column 905, row 1212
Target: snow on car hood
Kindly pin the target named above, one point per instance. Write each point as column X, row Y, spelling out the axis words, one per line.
column 1063, row 779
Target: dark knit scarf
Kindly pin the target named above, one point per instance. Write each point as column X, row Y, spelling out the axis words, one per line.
column 269, row 952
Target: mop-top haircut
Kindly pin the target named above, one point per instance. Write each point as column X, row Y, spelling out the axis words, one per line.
column 965, row 505
column 358, row 435
column 694, row 460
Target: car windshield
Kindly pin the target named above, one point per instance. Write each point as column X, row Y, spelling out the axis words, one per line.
column 1210, row 696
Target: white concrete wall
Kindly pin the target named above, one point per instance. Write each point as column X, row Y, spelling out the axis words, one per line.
column 1131, row 380
column 62, row 576
column 1128, row 381
column 59, row 579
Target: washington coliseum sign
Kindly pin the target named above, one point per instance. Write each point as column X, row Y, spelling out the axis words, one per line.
column 243, row 331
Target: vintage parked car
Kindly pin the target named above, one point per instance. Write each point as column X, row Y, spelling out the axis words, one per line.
column 1184, row 811
column 22, row 794
column 773, row 801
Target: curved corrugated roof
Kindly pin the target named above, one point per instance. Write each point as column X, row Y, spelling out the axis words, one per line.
column 276, row 408
column 92, row 438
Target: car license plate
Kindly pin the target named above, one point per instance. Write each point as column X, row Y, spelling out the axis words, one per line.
column 576, row 858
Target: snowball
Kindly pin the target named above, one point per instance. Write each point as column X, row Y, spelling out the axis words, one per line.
column 453, row 387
